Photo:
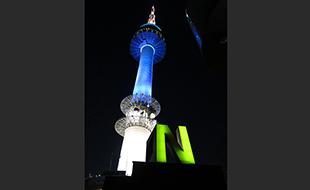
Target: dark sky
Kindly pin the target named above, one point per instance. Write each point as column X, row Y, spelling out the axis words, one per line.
column 189, row 85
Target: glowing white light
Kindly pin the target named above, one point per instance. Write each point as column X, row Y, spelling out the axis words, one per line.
column 152, row 115
column 133, row 148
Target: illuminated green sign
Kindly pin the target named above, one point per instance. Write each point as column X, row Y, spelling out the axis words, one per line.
column 181, row 146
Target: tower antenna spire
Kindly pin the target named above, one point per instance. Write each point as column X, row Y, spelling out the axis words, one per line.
column 152, row 16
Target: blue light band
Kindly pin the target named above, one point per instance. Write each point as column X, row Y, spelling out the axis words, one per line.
column 143, row 87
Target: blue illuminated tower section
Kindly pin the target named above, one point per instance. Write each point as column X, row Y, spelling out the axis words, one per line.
column 148, row 48
column 194, row 30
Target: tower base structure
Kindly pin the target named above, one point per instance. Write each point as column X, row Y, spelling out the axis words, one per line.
column 136, row 129
column 133, row 148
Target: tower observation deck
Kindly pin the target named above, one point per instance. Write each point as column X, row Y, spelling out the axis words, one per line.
column 148, row 47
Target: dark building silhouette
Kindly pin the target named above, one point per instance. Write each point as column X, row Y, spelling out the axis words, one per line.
column 162, row 176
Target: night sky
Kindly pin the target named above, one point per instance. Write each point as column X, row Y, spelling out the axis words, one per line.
column 189, row 84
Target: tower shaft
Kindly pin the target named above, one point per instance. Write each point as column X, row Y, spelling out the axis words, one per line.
column 143, row 84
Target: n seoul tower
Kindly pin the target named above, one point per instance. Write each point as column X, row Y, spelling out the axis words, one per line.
column 148, row 47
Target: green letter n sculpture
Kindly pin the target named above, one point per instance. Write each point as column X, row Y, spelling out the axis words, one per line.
column 182, row 146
